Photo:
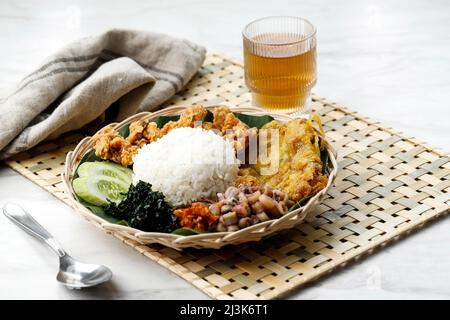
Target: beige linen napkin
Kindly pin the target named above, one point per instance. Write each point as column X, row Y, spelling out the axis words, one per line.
column 105, row 77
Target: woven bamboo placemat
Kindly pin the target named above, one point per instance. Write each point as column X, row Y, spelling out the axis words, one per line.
column 388, row 184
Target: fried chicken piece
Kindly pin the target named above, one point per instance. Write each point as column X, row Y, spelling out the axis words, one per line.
column 102, row 140
column 207, row 125
column 232, row 128
column 122, row 151
column 241, row 137
column 109, row 145
column 224, row 120
column 152, row 132
column 136, row 135
column 220, row 114
column 143, row 132
column 189, row 118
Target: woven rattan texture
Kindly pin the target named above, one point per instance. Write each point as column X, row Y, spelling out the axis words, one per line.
column 387, row 185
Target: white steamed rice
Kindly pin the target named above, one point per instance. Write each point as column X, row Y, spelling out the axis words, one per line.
column 186, row 165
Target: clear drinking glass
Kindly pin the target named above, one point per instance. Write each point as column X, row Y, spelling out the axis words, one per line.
column 280, row 63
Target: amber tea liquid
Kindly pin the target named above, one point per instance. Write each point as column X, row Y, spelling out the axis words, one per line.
column 280, row 70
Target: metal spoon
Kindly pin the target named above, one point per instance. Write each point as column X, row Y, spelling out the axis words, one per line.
column 72, row 273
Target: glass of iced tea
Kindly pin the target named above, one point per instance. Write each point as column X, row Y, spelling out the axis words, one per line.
column 280, row 63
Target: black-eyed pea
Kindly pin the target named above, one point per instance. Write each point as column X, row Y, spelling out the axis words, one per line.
column 257, row 207
column 267, row 190
column 245, row 222
column 221, row 227
column 231, row 200
column 275, row 212
column 245, row 189
column 242, row 198
column 232, row 228
column 240, row 210
column 279, row 195
column 262, row 216
column 267, row 202
column 230, row 218
column 252, row 198
column 254, row 219
column 231, row 192
column 226, row 208
column 214, row 209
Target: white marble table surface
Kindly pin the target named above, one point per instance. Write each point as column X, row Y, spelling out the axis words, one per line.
column 389, row 60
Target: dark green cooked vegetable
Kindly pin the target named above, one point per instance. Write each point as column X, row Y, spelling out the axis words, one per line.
column 144, row 209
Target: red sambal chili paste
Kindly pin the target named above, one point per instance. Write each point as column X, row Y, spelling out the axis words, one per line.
column 197, row 217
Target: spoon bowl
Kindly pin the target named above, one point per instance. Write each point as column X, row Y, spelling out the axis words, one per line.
column 72, row 273
column 76, row 275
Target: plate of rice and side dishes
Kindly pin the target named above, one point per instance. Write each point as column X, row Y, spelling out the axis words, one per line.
column 201, row 177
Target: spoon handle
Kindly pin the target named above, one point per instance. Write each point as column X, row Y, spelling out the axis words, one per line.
column 24, row 220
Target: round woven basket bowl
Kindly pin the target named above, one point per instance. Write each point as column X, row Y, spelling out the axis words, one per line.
column 208, row 240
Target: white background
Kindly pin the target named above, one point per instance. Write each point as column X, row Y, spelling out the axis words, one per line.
column 389, row 60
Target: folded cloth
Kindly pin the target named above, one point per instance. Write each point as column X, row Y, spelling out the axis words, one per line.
column 105, row 77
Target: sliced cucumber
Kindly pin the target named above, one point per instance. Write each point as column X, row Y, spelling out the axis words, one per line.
column 98, row 189
column 105, row 168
